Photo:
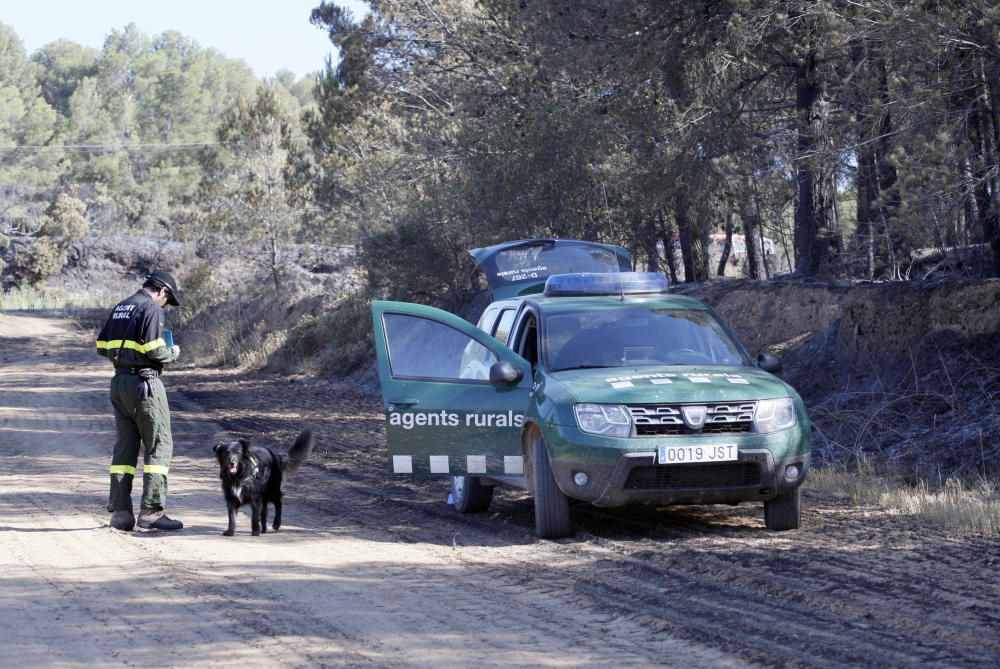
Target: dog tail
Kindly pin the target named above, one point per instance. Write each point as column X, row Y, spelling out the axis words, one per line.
column 298, row 453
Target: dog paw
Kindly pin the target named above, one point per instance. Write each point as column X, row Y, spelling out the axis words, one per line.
column 255, row 533
column 227, row 533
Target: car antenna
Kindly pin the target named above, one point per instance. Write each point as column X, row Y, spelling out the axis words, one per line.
column 621, row 284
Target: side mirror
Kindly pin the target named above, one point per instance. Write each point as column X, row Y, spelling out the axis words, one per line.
column 504, row 374
column 769, row 363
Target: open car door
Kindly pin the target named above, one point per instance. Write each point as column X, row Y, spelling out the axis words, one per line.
column 443, row 414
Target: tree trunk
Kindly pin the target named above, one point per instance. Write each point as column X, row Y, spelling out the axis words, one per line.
column 751, row 233
column 887, row 189
column 648, row 228
column 684, row 229
column 983, row 159
column 867, row 195
column 759, row 218
column 991, row 114
column 666, row 236
column 817, row 240
column 728, row 246
column 969, row 210
column 750, row 216
column 274, row 259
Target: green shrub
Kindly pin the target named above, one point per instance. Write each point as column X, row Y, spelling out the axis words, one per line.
column 66, row 219
column 43, row 259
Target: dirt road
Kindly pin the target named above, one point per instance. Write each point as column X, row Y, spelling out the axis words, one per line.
column 372, row 572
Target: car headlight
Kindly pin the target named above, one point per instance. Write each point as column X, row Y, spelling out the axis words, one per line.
column 612, row 420
column 774, row 415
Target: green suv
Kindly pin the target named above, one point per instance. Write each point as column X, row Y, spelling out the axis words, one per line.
column 584, row 380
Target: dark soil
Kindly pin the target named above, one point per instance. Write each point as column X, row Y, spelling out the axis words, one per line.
column 855, row 586
column 906, row 375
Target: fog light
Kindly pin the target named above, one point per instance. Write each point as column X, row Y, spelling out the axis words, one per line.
column 792, row 472
column 581, row 479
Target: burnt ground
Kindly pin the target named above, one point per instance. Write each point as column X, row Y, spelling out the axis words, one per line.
column 904, row 375
column 376, row 571
column 854, row 586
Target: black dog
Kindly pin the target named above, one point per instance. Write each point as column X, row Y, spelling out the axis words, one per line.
column 253, row 475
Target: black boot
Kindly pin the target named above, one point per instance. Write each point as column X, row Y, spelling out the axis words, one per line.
column 122, row 520
column 157, row 520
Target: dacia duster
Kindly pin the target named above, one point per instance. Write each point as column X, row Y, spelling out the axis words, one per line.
column 584, row 380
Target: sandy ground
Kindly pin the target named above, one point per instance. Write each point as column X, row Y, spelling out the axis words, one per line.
column 369, row 571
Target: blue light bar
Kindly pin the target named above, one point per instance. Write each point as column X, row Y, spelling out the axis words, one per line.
column 621, row 283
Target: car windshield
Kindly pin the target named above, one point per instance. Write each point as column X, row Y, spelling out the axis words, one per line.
column 639, row 336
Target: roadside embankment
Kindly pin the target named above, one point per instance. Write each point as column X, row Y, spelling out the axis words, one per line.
column 909, row 371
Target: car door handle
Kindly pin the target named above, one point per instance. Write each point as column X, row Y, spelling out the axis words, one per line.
column 406, row 402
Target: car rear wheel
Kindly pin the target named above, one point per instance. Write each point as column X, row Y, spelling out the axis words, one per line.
column 783, row 512
column 469, row 495
column 551, row 505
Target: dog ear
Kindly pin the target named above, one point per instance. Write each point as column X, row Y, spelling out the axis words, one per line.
column 245, row 444
column 218, row 447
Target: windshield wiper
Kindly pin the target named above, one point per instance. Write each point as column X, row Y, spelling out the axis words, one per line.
column 567, row 369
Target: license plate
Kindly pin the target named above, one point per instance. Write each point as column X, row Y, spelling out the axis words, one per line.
column 675, row 455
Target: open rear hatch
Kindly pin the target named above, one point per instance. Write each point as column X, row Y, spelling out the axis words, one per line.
column 521, row 267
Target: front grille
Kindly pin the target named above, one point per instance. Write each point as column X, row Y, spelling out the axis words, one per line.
column 667, row 419
column 694, row 477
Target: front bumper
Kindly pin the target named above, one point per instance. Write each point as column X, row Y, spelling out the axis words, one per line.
column 636, row 478
column 625, row 471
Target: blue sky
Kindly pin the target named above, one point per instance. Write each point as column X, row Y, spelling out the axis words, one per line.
column 268, row 34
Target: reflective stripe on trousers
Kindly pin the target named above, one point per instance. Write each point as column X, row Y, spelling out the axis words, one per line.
column 140, row 423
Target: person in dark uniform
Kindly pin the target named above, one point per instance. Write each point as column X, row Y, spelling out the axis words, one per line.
column 132, row 338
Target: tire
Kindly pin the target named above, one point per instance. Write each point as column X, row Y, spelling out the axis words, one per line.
column 469, row 495
column 784, row 512
column 551, row 505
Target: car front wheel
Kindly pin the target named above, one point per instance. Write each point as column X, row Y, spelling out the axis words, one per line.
column 784, row 512
column 551, row 505
column 469, row 495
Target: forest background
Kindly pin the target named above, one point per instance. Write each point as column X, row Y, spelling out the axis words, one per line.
column 857, row 135
column 861, row 137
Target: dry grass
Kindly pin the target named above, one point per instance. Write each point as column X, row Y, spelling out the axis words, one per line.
column 340, row 339
column 236, row 339
column 28, row 298
column 314, row 323
column 961, row 507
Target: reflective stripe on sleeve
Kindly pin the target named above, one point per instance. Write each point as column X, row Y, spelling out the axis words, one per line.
column 155, row 469
column 134, row 345
column 122, row 469
column 156, row 343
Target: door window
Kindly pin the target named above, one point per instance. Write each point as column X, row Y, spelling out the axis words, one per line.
column 486, row 320
column 424, row 349
column 503, row 327
column 527, row 345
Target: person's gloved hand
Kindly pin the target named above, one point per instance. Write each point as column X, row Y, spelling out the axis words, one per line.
column 176, row 350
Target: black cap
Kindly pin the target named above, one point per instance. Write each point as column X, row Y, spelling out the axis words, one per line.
column 162, row 279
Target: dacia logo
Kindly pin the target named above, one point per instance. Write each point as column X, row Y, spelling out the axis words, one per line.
column 694, row 416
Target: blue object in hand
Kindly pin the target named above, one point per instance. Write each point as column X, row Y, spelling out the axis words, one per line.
column 168, row 338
